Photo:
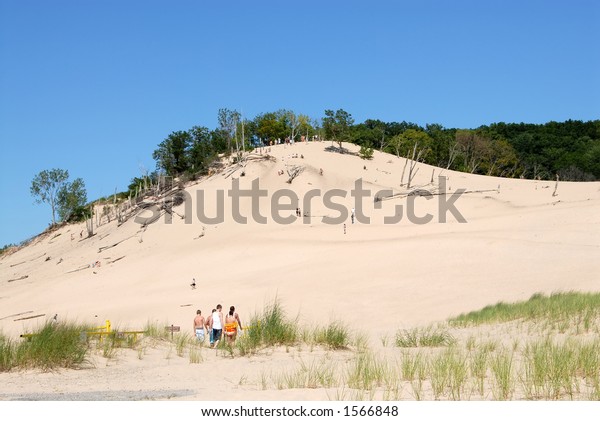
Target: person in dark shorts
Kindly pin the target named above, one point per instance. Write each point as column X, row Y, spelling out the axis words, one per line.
column 217, row 324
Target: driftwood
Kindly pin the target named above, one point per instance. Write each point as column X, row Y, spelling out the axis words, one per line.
column 117, row 259
column 30, row 260
column 18, row 279
column 293, row 172
column 18, row 314
column 80, row 268
column 101, row 249
column 29, row 317
column 423, row 192
column 241, row 164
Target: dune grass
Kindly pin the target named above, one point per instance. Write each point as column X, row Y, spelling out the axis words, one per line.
column 424, row 337
column 561, row 309
column 333, row 336
column 269, row 328
column 55, row 345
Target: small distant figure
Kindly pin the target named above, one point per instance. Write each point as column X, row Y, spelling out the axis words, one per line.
column 199, row 323
column 193, row 284
column 81, row 234
column 344, row 228
column 352, row 216
column 321, row 171
column 55, row 318
column 298, row 212
column 72, row 236
column 364, row 167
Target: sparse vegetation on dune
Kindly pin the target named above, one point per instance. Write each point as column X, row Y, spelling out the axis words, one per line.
column 454, row 361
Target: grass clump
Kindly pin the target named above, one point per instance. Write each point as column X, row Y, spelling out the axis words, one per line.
column 155, row 331
column 271, row 328
column 334, row 336
column 502, row 370
column 367, row 372
column 424, row 337
column 308, row 375
column 55, row 345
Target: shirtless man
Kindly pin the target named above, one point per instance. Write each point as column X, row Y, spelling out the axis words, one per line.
column 199, row 323
column 208, row 326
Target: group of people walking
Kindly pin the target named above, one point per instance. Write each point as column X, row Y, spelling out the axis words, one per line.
column 217, row 325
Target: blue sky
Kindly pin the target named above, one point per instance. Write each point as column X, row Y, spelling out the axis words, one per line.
column 94, row 86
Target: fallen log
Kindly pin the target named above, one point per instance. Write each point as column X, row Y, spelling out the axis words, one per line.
column 18, row 279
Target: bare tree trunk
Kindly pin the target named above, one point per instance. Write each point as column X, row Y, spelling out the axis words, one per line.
column 452, row 155
column 403, row 169
column 555, row 187
column 89, row 223
column 413, row 164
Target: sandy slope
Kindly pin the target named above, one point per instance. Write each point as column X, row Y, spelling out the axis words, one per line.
column 519, row 239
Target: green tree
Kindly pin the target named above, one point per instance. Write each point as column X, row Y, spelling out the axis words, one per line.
column 338, row 126
column 172, row 153
column 71, row 200
column 46, row 185
column 228, row 121
column 406, row 142
column 201, row 151
column 270, row 126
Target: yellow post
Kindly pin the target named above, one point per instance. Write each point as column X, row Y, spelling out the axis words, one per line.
column 108, row 326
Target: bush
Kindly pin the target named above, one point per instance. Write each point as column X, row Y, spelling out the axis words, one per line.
column 366, row 152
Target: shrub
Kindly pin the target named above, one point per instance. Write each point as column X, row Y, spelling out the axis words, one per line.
column 366, row 152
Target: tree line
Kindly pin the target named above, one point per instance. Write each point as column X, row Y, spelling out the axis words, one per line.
column 569, row 149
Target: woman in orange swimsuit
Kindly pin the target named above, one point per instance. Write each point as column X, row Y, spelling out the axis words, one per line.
column 231, row 326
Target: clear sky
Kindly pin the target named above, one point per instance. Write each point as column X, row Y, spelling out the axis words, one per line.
column 94, row 86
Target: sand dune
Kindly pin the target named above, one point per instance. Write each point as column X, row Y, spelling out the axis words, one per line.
column 377, row 277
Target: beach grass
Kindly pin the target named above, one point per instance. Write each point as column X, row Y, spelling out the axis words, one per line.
column 333, row 336
column 424, row 337
column 54, row 345
column 269, row 328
